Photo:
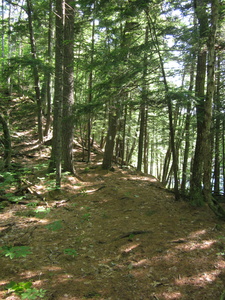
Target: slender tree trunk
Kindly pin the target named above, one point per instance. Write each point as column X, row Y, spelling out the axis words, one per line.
column 48, row 75
column 166, row 166
column 110, row 140
column 207, row 154
column 169, row 106
column 130, row 151
column 217, row 131
column 142, row 108
column 124, row 136
column 3, row 35
column 141, row 136
column 90, row 84
column 146, row 143
column 187, row 131
column 56, row 154
column 115, row 109
column 223, row 154
column 68, row 89
column 35, row 70
column 7, row 143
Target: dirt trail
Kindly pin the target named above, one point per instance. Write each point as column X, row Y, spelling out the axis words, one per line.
column 115, row 235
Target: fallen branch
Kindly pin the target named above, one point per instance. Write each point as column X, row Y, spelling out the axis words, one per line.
column 133, row 233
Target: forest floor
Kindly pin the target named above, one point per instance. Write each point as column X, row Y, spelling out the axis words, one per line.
column 112, row 235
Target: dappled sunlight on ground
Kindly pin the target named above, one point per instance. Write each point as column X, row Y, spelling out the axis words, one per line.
column 141, row 178
column 170, row 296
column 201, row 279
column 197, row 234
column 193, row 245
column 108, row 235
column 129, row 248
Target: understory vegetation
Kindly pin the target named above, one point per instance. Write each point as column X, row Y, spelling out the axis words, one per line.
column 112, row 150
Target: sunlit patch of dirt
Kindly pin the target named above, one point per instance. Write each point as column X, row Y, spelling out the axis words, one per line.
column 108, row 235
column 171, row 295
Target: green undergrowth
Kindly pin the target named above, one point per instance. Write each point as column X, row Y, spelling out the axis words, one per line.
column 25, row 290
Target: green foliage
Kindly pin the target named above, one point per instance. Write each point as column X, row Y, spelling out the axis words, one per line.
column 130, row 237
column 18, row 288
column 49, row 181
column 10, row 180
column 180, row 95
column 7, row 179
column 83, row 192
column 86, row 170
column 71, row 252
column 85, row 217
column 32, row 204
column 15, row 252
column 220, row 253
column 41, row 166
column 57, row 225
column 32, row 294
column 40, row 212
column 14, row 198
column 3, row 205
column 25, row 290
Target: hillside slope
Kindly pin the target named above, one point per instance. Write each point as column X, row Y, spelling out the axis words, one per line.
column 112, row 235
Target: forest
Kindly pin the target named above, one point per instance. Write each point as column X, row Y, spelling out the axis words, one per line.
column 112, row 133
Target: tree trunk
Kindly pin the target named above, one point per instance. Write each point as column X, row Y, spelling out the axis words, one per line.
column 90, row 84
column 217, row 131
column 141, row 137
column 124, row 136
column 207, row 153
column 130, row 151
column 110, row 140
column 146, row 143
column 197, row 168
column 7, row 143
column 48, row 75
column 35, row 70
column 143, row 108
column 187, row 131
column 166, row 166
column 56, row 154
column 223, row 154
column 169, row 106
column 68, row 89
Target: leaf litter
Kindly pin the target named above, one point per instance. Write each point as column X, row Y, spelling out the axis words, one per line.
column 112, row 235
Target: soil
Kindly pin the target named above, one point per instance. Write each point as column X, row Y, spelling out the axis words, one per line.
column 108, row 235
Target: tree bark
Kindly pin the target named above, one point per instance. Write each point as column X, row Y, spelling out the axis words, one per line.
column 169, row 106
column 217, row 131
column 68, row 90
column 110, row 140
column 143, row 119
column 48, row 75
column 7, row 143
column 197, row 167
column 35, row 70
column 187, row 131
column 90, row 84
column 56, row 154
column 207, row 154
